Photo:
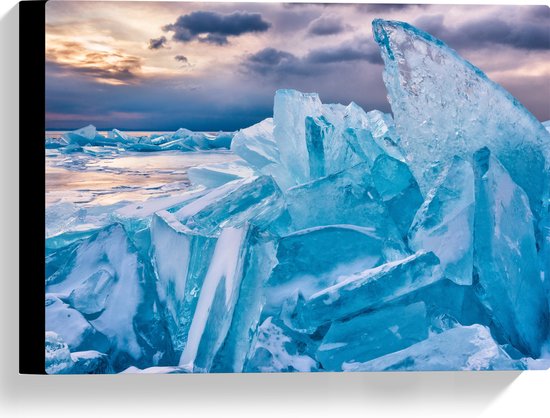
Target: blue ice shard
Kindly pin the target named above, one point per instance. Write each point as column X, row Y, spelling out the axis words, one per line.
column 82, row 136
column 369, row 289
column 372, row 335
column 137, row 217
column 72, row 326
column 312, row 259
column 256, row 145
column 460, row 348
column 329, row 150
column 90, row 362
column 289, row 114
column 58, row 356
column 382, row 128
column 444, row 106
column 217, row 299
column 257, row 200
column 398, row 190
column 180, row 259
column 348, row 197
column 507, row 275
column 215, row 175
column 445, row 222
column 310, row 136
column 110, row 285
column 278, row 349
column 258, row 261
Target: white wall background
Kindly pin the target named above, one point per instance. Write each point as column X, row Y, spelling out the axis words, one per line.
column 484, row 394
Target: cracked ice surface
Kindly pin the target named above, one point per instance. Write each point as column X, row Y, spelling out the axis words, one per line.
column 327, row 239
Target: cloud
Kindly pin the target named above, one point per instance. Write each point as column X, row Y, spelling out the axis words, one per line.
column 109, row 67
column 184, row 61
column 386, row 7
column 214, row 27
column 323, row 26
column 157, row 43
column 527, row 33
column 181, row 58
column 274, row 62
column 361, row 49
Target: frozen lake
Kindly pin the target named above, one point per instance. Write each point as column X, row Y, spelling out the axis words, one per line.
column 84, row 189
column 100, row 176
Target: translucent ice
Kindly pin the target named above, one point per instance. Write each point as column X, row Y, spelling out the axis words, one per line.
column 217, row 299
column 348, row 197
column 444, row 106
column 397, row 189
column 58, row 356
column 460, row 348
column 72, row 327
column 211, row 176
column 445, row 222
column 372, row 335
column 258, row 262
column 370, row 289
column 82, row 136
column 507, row 274
column 90, row 362
column 107, row 281
column 256, row 145
column 180, row 258
column 313, row 259
column 289, row 113
column 257, row 200
column 276, row 351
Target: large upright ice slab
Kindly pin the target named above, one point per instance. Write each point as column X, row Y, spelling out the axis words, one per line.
column 259, row 259
column 507, row 273
column 289, row 114
column 329, row 150
column 372, row 335
column 180, row 258
column 216, row 304
column 460, row 348
column 370, row 289
column 312, row 259
column 398, row 190
column 444, row 106
column 445, row 222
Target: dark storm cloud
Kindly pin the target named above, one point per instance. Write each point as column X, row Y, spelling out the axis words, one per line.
column 386, row 8
column 326, row 26
column 159, row 104
column 529, row 34
column 358, row 50
column 157, row 43
column 273, row 62
column 214, row 28
column 181, row 58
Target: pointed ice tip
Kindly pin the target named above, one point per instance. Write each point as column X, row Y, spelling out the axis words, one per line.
column 380, row 33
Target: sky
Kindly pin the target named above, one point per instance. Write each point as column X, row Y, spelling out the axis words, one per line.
column 216, row 66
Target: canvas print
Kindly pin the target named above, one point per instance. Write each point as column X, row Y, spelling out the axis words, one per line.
column 270, row 187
